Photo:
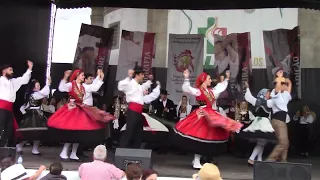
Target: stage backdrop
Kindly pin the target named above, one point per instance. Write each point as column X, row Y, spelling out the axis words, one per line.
column 231, row 52
column 136, row 49
column 185, row 52
column 282, row 48
column 93, row 49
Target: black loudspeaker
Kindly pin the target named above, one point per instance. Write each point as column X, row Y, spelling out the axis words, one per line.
column 124, row 157
column 7, row 152
column 281, row 171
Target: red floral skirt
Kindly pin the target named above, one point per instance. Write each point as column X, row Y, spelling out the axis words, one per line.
column 79, row 117
column 209, row 127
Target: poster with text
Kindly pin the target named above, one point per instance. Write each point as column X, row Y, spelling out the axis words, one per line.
column 93, row 49
column 231, row 53
column 282, row 49
column 136, row 49
column 185, row 52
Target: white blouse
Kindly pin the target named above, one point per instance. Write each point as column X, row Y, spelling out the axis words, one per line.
column 219, row 88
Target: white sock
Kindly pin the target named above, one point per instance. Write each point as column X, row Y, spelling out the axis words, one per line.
column 196, row 161
column 255, row 152
column 20, row 146
column 260, row 154
column 74, row 151
column 35, row 147
column 64, row 152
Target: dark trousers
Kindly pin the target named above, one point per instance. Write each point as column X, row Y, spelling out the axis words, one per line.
column 132, row 136
column 6, row 128
column 303, row 138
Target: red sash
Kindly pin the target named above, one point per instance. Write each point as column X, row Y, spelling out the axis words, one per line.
column 9, row 106
column 138, row 108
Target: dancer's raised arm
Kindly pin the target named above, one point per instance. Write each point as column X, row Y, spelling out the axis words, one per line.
column 186, row 87
column 64, row 85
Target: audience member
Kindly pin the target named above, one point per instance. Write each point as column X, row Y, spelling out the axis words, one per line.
column 98, row 169
column 134, row 172
column 208, row 172
column 55, row 172
column 6, row 162
column 164, row 107
column 18, row 172
column 149, row 175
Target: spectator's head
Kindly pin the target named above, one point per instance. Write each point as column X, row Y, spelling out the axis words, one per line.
column 243, row 105
column 305, row 109
column 100, row 153
column 184, row 100
column 149, row 175
column 7, row 71
column 88, row 78
column 163, row 94
column 7, row 162
column 56, row 168
column 134, row 172
column 208, row 172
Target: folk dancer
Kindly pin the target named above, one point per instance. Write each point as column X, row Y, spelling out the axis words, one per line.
column 134, row 91
column 9, row 86
column 34, row 121
column 260, row 129
column 203, row 129
column 280, row 98
column 76, row 122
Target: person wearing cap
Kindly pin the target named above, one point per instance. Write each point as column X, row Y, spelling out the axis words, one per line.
column 208, row 172
column 18, row 172
column 134, row 90
column 9, row 86
column 164, row 107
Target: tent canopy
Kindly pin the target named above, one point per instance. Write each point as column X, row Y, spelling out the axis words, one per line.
column 179, row 4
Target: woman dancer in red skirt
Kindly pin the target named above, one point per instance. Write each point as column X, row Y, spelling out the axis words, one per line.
column 204, row 128
column 76, row 122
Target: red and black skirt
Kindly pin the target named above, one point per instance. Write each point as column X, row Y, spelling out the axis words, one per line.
column 79, row 123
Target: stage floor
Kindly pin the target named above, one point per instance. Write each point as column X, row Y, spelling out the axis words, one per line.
column 170, row 165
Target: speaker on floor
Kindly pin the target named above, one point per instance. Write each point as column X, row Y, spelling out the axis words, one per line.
column 7, row 152
column 281, row 171
column 124, row 157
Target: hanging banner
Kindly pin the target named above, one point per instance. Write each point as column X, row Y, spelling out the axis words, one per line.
column 136, row 49
column 232, row 52
column 93, row 49
column 185, row 52
column 282, row 48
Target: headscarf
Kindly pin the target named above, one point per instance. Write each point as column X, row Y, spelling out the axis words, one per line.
column 261, row 100
column 200, row 79
column 75, row 74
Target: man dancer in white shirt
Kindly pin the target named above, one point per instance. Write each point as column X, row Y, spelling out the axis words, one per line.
column 9, row 86
column 131, row 86
column 92, row 85
column 280, row 99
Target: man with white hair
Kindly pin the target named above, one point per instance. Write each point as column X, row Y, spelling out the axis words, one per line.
column 98, row 169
